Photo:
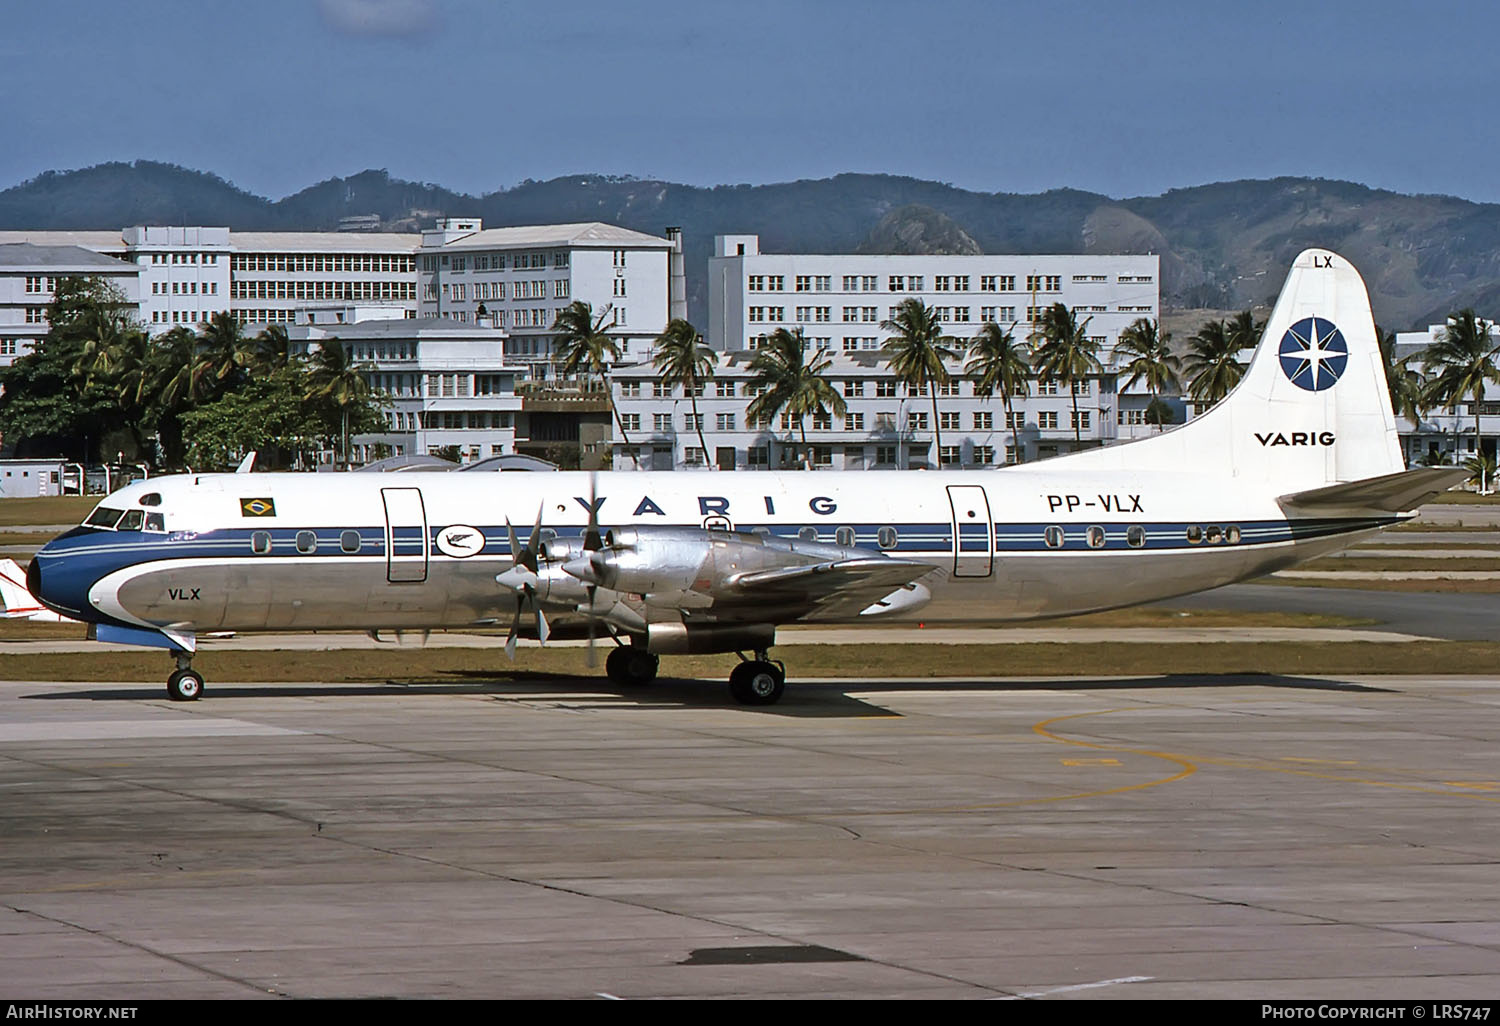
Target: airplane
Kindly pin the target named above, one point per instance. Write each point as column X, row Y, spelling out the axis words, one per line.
column 1301, row 459
column 18, row 603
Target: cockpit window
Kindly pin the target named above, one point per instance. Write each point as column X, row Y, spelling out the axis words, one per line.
column 132, row 520
column 104, row 517
column 155, row 522
column 151, row 499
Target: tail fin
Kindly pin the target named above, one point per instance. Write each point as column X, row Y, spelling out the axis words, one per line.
column 1312, row 408
column 15, row 600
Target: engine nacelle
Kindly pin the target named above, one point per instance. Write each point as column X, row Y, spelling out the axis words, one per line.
column 700, row 639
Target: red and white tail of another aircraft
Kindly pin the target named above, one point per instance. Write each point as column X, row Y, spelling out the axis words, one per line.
column 16, row 603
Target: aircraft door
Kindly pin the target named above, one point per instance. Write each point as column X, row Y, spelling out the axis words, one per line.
column 973, row 531
column 405, row 535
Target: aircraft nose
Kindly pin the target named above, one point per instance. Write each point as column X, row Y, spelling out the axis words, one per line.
column 34, row 577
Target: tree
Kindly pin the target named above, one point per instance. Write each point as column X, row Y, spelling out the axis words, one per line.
column 1001, row 364
column 1244, row 330
column 1460, row 363
column 268, row 414
column 684, row 360
column 918, row 352
column 229, row 354
column 272, row 349
column 58, row 399
column 1067, row 354
column 1211, row 362
column 1149, row 351
column 788, row 384
column 581, row 346
column 337, row 378
column 1403, row 383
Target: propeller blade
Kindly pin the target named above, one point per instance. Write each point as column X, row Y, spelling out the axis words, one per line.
column 542, row 630
column 534, row 540
column 515, row 548
column 591, row 539
column 515, row 628
column 593, row 658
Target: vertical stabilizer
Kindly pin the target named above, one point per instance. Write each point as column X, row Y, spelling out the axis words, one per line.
column 1312, row 408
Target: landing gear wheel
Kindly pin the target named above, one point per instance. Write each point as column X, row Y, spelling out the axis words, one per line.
column 631, row 667
column 184, row 686
column 757, row 683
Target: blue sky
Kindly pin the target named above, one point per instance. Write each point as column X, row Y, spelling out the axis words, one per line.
column 1126, row 98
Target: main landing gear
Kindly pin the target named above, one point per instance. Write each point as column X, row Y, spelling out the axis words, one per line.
column 757, row 681
column 185, row 684
column 631, row 667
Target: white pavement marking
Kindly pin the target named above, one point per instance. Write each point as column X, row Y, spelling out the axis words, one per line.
column 99, row 730
column 1076, row 986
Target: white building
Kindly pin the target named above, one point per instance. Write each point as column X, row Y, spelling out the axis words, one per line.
column 519, row 278
column 28, row 278
column 886, row 427
column 839, row 300
column 448, row 383
column 188, row 274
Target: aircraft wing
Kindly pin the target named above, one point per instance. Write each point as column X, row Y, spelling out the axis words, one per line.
column 839, row 587
column 1389, row 493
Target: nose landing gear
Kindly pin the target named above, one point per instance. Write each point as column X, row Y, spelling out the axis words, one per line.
column 185, row 684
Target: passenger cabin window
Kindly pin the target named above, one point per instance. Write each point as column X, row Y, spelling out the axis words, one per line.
column 844, row 536
column 1232, row 534
column 1095, row 537
column 886, row 537
column 1213, row 535
column 1194, row 534
column 349, row 541
column 808, row 534
column 260, row 542
column 1054, row 537
column 1135, row 536
column 307, row 541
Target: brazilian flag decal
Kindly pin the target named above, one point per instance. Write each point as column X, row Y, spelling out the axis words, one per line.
column 257, row 507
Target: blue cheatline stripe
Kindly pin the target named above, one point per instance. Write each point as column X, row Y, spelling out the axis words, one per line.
column 119, row 548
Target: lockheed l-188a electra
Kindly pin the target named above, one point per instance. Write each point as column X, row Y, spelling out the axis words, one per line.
column 1301, row 459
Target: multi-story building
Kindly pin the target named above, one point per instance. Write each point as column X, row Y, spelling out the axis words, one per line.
column 520, row 278
column 887, row 425
column 448, row 384
column 28, row 278
column 188, row 274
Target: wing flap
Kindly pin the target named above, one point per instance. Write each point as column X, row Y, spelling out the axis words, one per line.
column 847, row 584
column 1389, row 493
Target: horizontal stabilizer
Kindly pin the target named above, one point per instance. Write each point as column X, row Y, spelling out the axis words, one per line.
column 1389, row 493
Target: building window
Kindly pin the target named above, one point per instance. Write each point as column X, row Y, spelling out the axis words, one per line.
column 724, row 421
column 948, row 455
column 984, row 420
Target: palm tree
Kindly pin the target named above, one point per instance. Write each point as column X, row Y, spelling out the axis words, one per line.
column 1244, row 330
column 1066, row 354
column 581, row 346
column 787, row 383
column 336, row 377
column 1460, row 363
column 1403, row 382
column 273, row 348
column 1211, row 362
column 1001, row 364
column 1149, row 350
column 176, row 377
column 684, row 360
column 229, row 353
column 918, row 353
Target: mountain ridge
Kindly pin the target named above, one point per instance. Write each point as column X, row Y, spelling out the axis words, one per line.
column 1222, row 244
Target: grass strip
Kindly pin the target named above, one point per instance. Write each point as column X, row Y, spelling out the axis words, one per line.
column 876, row 662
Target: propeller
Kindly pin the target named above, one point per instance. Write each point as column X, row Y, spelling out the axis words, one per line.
column 522, row 579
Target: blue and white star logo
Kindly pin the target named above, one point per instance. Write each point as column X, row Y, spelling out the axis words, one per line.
column 1313, row 354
